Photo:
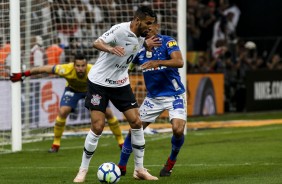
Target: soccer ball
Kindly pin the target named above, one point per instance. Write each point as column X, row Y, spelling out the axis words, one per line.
column 108, row 172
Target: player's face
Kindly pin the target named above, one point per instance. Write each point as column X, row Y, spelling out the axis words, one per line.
column 144, row 25
column 80, row 68
column 153, row 30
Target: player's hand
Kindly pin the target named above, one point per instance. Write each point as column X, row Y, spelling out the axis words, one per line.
column 117, row 50
column 150, row 64
column 153, row 42
column 15, row 77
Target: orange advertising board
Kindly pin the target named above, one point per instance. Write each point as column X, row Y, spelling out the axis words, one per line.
column 206, row 94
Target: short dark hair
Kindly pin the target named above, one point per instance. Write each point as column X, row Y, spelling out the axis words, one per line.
column 156, row 19
column 79, row 56
column 144, row 11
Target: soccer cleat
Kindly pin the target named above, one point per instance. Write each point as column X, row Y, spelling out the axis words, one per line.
column 54, row 149
column 81, row 175
column 122, row 170
column 167, row 169
column 143, row 174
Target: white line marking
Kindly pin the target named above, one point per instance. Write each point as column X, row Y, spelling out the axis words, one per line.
column 161, row 165
column 236, row 131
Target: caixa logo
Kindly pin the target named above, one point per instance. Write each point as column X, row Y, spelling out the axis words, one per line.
column 148, row 104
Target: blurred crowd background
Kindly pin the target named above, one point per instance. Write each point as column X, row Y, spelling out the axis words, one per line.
column 230, row 37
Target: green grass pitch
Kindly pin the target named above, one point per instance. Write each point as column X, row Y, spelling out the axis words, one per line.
column 220, row 156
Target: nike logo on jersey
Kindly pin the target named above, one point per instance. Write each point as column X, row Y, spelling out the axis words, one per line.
column 133, row 103
column 126, row 44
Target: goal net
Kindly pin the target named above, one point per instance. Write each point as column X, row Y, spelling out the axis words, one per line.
column 69, row 25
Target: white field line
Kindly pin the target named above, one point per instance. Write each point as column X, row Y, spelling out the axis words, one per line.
column 236, row 131
column 156, row 137
column 161, row 165
column 151, row 139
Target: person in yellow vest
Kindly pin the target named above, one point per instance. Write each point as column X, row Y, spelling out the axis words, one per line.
column 75, row 74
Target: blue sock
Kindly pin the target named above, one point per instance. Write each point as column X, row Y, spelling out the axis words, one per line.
column 176, row 145
column 126, row 151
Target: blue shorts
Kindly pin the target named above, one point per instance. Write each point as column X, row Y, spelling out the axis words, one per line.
column 71, row 97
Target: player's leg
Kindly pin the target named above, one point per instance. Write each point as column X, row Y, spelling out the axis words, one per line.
column 59, row 128
column 178, row 117
column 138, row 145
column 90, row 144
column 177, row 141
column 114, row 126
column 126, row 151
column 147, row 115
column 125, row 101
column 125, row 154
column 97, row 104
column 68, row 104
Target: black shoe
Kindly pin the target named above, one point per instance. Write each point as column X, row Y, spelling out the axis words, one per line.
column 167, row 169
column 122, row 170
column 54, row 149
column 165, row 172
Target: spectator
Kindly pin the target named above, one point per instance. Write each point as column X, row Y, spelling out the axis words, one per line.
column 235, row 11
column 5, row 50
column 202, row 66
column 251, row 58
column 37, row 55
column 207, row 21
column 275, row 62
column 73, row 47
column 68, row 24
column 54, row 53
column 36, row 18
column 192, row 28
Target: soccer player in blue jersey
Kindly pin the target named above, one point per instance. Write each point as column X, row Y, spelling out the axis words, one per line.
column 165, row 91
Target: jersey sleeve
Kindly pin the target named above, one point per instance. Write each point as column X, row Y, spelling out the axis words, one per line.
column 62, row 70
column 112, row 35
column 171, row 45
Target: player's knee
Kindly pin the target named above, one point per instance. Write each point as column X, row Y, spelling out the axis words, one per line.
column 136, row 124
column 178, row 131
column 97, row 127
column 178, row 126
column 64, row 112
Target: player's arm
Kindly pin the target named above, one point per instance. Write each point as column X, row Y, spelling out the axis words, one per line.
column 36, row 70
column 151, row 42
column 42, row 69
column 102, row 46
column 176, row 61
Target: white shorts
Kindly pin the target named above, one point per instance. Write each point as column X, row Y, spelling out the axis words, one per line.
column 151, row 108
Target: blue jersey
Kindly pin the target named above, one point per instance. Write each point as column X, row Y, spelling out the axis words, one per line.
column 161, row 81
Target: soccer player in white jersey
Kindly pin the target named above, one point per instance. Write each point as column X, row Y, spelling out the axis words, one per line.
column 165, row 91
column 108, row 80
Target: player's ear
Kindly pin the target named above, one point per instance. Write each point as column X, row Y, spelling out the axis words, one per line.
column 138, row 21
